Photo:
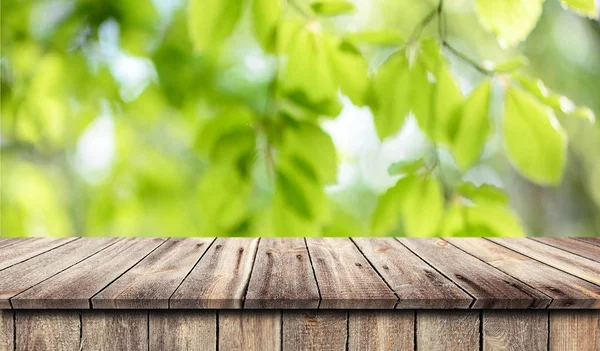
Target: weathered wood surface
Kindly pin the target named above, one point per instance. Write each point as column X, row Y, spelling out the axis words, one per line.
column 7, row 331
column 566, row 290
column 447, row 330
column 74, row 287
column 47, row 330
column 221, row 277
column 298, row 273
column 249, row 330
column 416, row 283
column 507, row 330
column 381, row 330
column 182, row 330
column 150, row 283
column 110, row 331
column 563, row 260
column 593, row 241
column 315, row 330
column 282, row 276
column 345, row 278
column 575, row 330
column 491, row 288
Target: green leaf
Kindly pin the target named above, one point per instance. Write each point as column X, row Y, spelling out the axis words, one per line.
column 332, row 7
column 534, row 141
column 497, row 219
column 294, row 195
column 473, row 127
column 406, row 167
column 484, row 193
column 308, row 71
column 211, row 22
column 237, row 149
column 265, row 16
column 560, row 104
column 299, row 107
column 386, row 214
column 383, row 37
column 509, row 65
column 390, row 95
column 423, row 209
column 435, row 93
column 351, row 70
column 211, row 131
column 587, row 8
column 510, row 20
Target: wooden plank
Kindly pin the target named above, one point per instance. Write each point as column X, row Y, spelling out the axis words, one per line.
column 114, row 330
column 381, row 330
column 592, row 241
column 490, row 287
column 4, row 242
column 26, row 249
column 250, row 330
column 447, row 330
column 567, row 291
column 345, row 278
column 183, row 330
column 47, row 330
column 24, row 275
column 74, row 287
column 575, row 330
column 414, row 281
column 150, row 283
column 221, row 277
column 282, row 276
column 7, row 330
column 576, row 265
column 315, row 330
column 573, row 246
column 515, row 330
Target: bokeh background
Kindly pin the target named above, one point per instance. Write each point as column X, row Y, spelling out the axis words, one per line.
column 102, row 102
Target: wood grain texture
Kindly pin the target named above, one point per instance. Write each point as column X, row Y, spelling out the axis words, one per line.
column 490, row 287
column 345, row 278
column 114, row 330
column 574, row 330
column 566, row 290
column 315, row 330
column 447, row 330
column 282, row 276
column 74, row 287
column 183, row 330
column 416, row 283
column 381, row 330
column 573, row 246
column 27, row 249
column 510, row 331
column 568, row 262
column 47, row 330
column 221, row 277
column 20, row 277
column 249, row 330
column 10, row 241
column 6, row 330
column 592, row 241
column 151, row 282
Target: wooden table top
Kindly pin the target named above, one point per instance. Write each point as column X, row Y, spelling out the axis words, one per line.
column 300, row 273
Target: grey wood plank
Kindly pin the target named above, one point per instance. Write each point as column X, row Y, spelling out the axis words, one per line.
column 416, row 283
column 183, row 330
column 444, row 330
column 345, row 278
column 315, row 330
column 515, row 330
column 11, row 241
column 575, row 330
column 7, row 330
column 592, row 241
column 26, row 249
column 221, row 277
column 47, row 330
column 150, row 283
column 576, row 265
column 250, row 330
column 22, row 276
column 381, row 330
column 114, row 330
column 282, row 276
column 75, row 286
column 566, row 290
column 490, row 287
column 573, row 246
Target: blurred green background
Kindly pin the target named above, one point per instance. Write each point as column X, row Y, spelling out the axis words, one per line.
column 102, row 103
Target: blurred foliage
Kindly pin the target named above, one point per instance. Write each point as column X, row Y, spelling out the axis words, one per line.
column 167, row 118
